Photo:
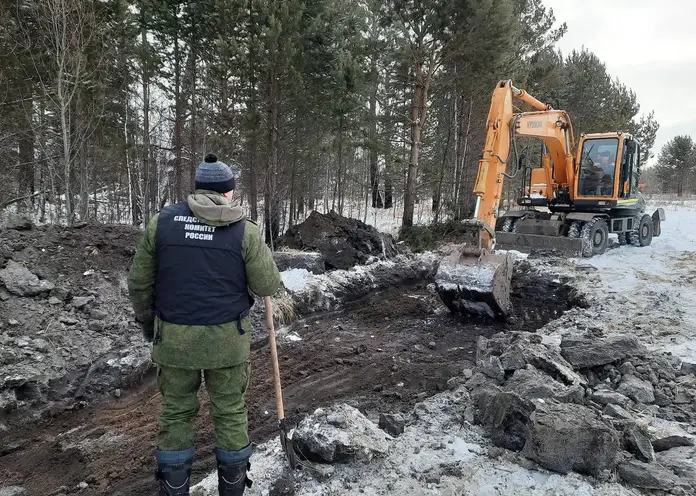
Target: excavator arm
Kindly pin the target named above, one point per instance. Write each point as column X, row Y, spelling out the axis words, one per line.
column 473, row 280
column 553, row 127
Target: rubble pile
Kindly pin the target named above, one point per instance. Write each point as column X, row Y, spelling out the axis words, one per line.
column 590, row 405
column 342, row 241
column 66, row 330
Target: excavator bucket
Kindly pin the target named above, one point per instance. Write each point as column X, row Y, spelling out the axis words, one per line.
column 525, row 243
column 472, row 282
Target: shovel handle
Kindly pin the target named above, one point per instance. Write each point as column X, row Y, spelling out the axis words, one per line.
column 274, row 357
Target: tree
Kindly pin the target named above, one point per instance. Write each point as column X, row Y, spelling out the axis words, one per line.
column 677, row 163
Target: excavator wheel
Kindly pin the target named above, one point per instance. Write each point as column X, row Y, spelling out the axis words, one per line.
column 595, row 236
column 643, row 233
column 574, row 229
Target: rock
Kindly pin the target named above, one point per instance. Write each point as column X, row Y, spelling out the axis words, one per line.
column 669, row 442
column 40, row 345
column 343, row 242
column 311, row 262
column 61, row 293
column 80, row 301
column 647, row 476
column 638, row 444
column 68, row 320
column 492, row 367
column 392, row 424
column 627, row 368
column 96, row 326
column 617, row 411
column 666, row 435
column 564, row 437
column 636, row 389
column 54, row 301
column 97, row 314
column 467, row 374
column 682, row 461
column 82, row 485
column 527, row 347
column 604, row 397
column 13, row 322
column 505, row 417
column 18, row 222
column 661, row 399
column 8, row 400
column 21, row 282
column 13, row 491
column 688, row 368
column 361, row 440
column 532, row 384
column 584, row 353
column 4, row 296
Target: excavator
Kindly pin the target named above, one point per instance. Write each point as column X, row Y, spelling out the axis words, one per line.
column 571, row 202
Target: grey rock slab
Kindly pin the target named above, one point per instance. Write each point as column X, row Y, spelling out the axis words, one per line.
column 564, row 437
column 532, row 384
column 505, row 417
column 18, row 222
column 617, row 411
column 584, row 353
column 637, row 389
column 666, row 435
column 54, row 301
column 647, row 476
column 21, row 281
column 639, row 444
column 688, row 368
column 392, row 424
column 604, row 397
column 492, row 367
column 81, row 301
column 682, row 461
column 360, row 440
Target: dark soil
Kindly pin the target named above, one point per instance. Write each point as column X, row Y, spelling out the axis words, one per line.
column 381, row 354
column 344, row 242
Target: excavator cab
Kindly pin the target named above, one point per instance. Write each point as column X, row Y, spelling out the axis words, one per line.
column 607, row 169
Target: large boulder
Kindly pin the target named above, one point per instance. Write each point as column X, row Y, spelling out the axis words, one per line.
column 650, row 476
column 339, row 434
column 532, row 384
column 22, row 282
column 585, row 352
column 342, row 241
column 564, row 437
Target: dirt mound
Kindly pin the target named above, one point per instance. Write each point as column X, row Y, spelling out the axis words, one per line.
column 66, row 328
column 342, row 241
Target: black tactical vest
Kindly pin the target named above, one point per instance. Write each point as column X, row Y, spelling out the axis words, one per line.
column 201, row 278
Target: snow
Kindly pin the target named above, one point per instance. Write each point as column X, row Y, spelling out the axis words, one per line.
column 657, row 283
column 295, row 280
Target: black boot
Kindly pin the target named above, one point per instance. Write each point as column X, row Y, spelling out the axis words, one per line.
column 174, row 472
column 232, row 471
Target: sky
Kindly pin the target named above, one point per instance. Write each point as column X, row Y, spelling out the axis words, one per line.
column 650, row 45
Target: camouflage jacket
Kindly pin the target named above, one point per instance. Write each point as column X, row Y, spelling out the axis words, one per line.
column 201, row 347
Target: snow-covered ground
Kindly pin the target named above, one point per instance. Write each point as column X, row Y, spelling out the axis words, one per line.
column 654, row 287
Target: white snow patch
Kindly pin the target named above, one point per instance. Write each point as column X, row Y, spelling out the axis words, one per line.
column 295, row 280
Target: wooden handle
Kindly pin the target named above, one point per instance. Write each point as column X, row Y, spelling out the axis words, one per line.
column 274, row 357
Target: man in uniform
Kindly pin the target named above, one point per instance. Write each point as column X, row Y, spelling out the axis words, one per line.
column 189, row 286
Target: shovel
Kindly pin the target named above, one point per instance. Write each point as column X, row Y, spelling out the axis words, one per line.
column 285, row 440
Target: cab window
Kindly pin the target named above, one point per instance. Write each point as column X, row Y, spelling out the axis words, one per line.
column 598, row 167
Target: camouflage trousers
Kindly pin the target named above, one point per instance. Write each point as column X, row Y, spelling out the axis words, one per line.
column 226, row 388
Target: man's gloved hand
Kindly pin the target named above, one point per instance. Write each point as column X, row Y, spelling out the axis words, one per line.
column 148, row 330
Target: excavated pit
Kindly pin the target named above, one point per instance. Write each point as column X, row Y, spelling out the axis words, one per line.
column 383, row 353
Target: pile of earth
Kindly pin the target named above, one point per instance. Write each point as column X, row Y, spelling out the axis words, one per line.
column 343, row 242
column 591, row 405
column 66, row 328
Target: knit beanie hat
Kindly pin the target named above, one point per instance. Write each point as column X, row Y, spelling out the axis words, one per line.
column 214, row 175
